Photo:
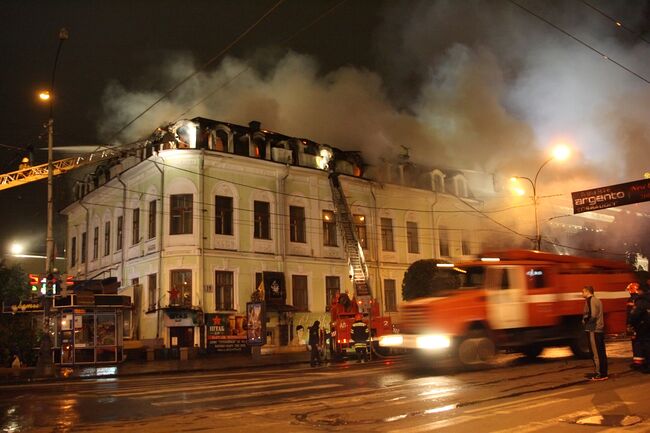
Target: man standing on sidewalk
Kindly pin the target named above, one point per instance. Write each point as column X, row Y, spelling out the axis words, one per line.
column 594, row 324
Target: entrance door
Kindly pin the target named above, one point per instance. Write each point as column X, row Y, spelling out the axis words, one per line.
column 506, row 288
column 181, row 336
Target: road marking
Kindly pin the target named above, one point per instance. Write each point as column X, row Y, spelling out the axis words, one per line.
column 250, row 394
column 167, row 389
column 523, row 400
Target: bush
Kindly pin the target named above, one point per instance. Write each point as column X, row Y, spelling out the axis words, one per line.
column 423, row 279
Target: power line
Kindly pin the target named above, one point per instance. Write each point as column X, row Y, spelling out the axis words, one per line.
column 282, row 42
column 205, row 65
column 618, row 23
column 581, row 42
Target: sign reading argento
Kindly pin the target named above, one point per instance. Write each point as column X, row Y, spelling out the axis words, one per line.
column 611, row 196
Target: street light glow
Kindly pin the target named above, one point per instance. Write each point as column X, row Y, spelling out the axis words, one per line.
column 44, row 95
column 16, row 249
column 561, row 152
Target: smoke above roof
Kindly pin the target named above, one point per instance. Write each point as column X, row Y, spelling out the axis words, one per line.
column 473, row 84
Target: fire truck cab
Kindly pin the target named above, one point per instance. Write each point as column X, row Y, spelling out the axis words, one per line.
column 520, row 301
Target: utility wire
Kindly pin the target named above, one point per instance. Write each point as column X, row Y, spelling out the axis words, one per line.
column 581, row 42
column 617, row 22
column 205, row 65
column 282, row 42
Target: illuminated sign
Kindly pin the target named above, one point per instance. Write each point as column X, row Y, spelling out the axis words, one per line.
column 611, row 196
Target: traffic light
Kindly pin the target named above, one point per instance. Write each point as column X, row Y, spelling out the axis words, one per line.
column 34, row 282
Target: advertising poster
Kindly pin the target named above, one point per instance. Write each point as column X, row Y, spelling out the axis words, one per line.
column 225, row 332
column 256, row 318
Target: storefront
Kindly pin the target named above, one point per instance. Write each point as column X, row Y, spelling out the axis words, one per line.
column 90, row 328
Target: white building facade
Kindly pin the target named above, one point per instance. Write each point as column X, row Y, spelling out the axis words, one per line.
column 190, row 222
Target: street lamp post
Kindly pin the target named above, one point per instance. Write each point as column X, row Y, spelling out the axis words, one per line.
column 560, row 153
column 44, row 364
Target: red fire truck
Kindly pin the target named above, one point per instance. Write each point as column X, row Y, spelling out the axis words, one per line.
column 343, row 312
column 517, row 300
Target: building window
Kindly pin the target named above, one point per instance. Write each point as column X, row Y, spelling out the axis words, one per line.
column 332, row 288
column 465, row 243
column 152, row 287
column 438, row 183
column 299, row 294
column 73, row 251
column 262, row 217
column 152, row 219
column 84, row 247
column 390, row 295
column 443, row 234
column 181, row 214
column 387, row 234
column 329, row 229
column 223, row 215
column 136, row 226
column 120, row 227
column 362, row 234
column 461, row 187
column 297, row 224
column 107, row 238
column 95, row 243
column 181, row 288
column 412, row 237
column 224, row 290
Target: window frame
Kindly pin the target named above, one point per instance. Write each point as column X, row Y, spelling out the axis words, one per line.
column 261, row 220
column 298, row 286
column 180, row 214
column 297, row 225
column 412, row 239
column 387, row 238
column 221, row 286
column 329, row 229
column 223, row 218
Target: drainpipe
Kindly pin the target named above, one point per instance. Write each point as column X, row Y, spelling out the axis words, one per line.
column 123, row 262
column 87, row 237
column 380, row 283
column 433, row 225
column 160, row 240
column 282, row 217
column 202, row 219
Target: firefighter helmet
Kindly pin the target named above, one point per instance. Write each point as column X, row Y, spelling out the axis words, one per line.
column 633, row 288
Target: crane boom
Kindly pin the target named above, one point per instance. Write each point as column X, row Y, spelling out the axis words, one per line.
column 38, row 172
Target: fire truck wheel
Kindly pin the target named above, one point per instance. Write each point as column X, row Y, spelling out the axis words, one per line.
column 485, row 349
column 580, row 346
column 468, row 351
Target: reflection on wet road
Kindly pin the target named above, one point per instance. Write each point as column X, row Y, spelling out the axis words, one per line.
column 389, row 395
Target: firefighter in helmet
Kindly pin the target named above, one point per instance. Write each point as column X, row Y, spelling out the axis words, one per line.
column 638, row 359
column 639, row 318
column 360, row 337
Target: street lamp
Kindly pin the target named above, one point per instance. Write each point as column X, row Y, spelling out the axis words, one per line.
column 561, row 152
column 44, row 364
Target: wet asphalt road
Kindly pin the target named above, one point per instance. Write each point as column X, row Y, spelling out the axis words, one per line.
column 511, row 395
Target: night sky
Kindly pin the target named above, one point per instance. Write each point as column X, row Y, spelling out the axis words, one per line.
column 481, row 85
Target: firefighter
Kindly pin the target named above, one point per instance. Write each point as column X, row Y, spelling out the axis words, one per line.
column 314, row 342
column 640, row 320
column 638, row 358
column 360, row 336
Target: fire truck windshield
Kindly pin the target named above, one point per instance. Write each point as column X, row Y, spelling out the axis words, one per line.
column 471, row 277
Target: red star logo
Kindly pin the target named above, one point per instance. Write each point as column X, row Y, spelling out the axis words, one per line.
column 216, row 320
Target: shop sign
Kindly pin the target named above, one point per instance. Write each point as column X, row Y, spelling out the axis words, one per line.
column 256, row 320
column 179, row 318
column 225, row 332
column 611, row 196
column 24, row 308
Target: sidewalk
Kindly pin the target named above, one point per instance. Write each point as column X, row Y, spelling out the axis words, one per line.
column 224, row 361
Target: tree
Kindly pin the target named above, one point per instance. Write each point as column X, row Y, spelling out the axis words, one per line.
column 423, row 278
column 19, row 331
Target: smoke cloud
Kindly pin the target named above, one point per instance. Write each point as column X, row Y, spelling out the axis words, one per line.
column 472, row 84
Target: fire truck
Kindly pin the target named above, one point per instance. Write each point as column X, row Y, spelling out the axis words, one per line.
column 343, row 314
column 518, row 300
